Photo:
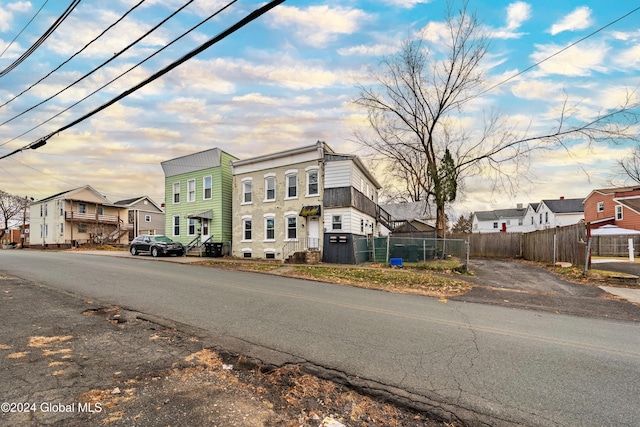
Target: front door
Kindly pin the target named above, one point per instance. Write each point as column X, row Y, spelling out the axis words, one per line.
column 313, row 234
column 205, row 229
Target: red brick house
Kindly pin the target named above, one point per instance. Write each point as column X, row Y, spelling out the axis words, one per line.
column 618, row 206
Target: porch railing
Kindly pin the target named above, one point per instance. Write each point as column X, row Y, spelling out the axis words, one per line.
column 299, row 245
column 197, row 242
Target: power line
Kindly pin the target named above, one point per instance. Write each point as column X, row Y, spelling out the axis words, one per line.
column 95, row 69
column 23, row 28
column 246, row 20
column 42, row 38
column 70, row 58
column 555, row 54
column 120, row 75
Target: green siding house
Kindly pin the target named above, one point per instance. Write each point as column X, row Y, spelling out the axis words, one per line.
column 198, row 197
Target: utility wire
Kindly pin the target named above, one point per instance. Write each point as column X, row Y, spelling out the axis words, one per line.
column 73, row 56
column 555, row 54
column 24, row 28
column 246, row 20
column 42, row 38
column 120, row 75
column 98, row 67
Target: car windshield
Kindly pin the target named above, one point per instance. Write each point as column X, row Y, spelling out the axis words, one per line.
column 164, row 239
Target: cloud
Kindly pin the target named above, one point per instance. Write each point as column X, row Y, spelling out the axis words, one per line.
column 517, row 14
column 6, row 14
column 579, row 60
column 405, row 4
column 318, row 25
column 629, row 58
column 579, row 19
column 256, row 98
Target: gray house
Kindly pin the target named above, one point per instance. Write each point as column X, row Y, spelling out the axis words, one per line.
column 144, row 216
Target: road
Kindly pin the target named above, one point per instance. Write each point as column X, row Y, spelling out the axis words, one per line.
column 488, row 364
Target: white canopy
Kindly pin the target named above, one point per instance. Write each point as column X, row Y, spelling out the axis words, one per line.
column 612, row 230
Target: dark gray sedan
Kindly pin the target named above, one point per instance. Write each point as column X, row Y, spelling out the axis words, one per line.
column 155, row 245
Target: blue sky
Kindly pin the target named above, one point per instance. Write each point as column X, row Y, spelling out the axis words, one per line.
column 286, row 80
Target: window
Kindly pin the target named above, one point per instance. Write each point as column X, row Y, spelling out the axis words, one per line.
column 176, row 192
column 246, row 229
column 82, row 208
column 269, row 188
column 292, row 228
column 206, row 188
column 61, row 206
column 147, row 218
column 62, row 228
column 546, row 217
column 540, row 218
column 269, row 228
column 495, row 225
column 246, row 191
column 46, row 208
column 292, row 186
column 100, row 210
column 600, row 206
column 191, row 190
column 532, row 221
column 191, row 230
column 176, row 225
column 336, row 222
column 362, row 225
column 270, row 255
column 520, row 221
column 246, row 254
column 619, row 212
column 82, row 228
column 312, row 182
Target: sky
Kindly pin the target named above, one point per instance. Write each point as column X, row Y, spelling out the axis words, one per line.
column 287, row 80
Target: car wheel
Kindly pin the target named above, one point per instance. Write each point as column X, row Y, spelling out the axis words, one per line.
column 133, row 251
column 154, row 252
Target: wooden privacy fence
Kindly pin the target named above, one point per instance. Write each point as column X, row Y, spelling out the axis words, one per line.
column 614, row 245
column 560, row 244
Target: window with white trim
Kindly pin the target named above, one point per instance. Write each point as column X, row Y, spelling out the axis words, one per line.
column 246, row 230
column 207, row 188
column 191, row 190
column 176, row 225
column 147, row 218
column 495, row 225
column 246, row 191
column 176, row 193
column 191, row 229
column 292, row 186
column 600, row 207
column 313, row 188
column 269, row 188
column 269, row 228
column 336, row 222
column 292, row 227
column 619, row 212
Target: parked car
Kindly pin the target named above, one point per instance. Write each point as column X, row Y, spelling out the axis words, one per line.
column 156, row 245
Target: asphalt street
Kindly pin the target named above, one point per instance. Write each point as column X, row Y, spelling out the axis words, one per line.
column 489, row 364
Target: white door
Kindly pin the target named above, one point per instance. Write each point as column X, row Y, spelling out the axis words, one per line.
column 313, row 229
column 205, row 229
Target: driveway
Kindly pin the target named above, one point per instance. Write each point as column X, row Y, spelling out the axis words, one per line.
column 518, row 284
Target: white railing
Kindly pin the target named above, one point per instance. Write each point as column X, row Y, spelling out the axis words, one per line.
column 299, row 245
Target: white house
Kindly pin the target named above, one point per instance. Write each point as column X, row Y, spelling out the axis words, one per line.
column 559, row 213
column 500, row 220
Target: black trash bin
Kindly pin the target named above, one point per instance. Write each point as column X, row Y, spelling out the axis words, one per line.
column 216, row 250
column 208, row 249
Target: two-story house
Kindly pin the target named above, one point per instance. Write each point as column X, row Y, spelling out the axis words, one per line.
column 500, row 220
column 144, row 216
column 304, row 200
column 559, row 213
column 618, row 206
column 198, row 197
column 76, row 217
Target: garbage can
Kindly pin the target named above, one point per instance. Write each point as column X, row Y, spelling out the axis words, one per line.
column 208, row 249
column 216, row 250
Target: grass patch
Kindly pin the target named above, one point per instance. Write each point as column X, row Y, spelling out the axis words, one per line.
column 440, row 265
column 241, row 265
column 393, row 280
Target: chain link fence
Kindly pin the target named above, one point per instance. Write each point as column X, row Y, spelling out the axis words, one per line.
column 382, row 249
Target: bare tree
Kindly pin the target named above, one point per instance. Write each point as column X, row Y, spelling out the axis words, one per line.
column 11, row 207
column 629, row 166
column 417, row 97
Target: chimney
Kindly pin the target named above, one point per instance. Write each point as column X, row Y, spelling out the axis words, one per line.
column 561, row 197
column 519, row 206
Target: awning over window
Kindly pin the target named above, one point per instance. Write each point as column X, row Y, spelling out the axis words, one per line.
column 310, row 211
column 208, row 214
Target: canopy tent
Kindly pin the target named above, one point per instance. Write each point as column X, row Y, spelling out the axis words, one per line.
column 612, row 230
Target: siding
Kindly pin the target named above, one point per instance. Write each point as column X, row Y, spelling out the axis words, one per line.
column 338, row 174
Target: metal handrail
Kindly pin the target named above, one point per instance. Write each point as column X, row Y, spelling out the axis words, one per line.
column 298, row 245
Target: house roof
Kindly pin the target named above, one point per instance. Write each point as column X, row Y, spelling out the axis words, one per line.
column 609, row 191
column 318, row 145
column 565, row 206
column 408, row 211
column 69, row 193
column 133, row 201
column 500, row 213
column 631, row 203
column 193, row 162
